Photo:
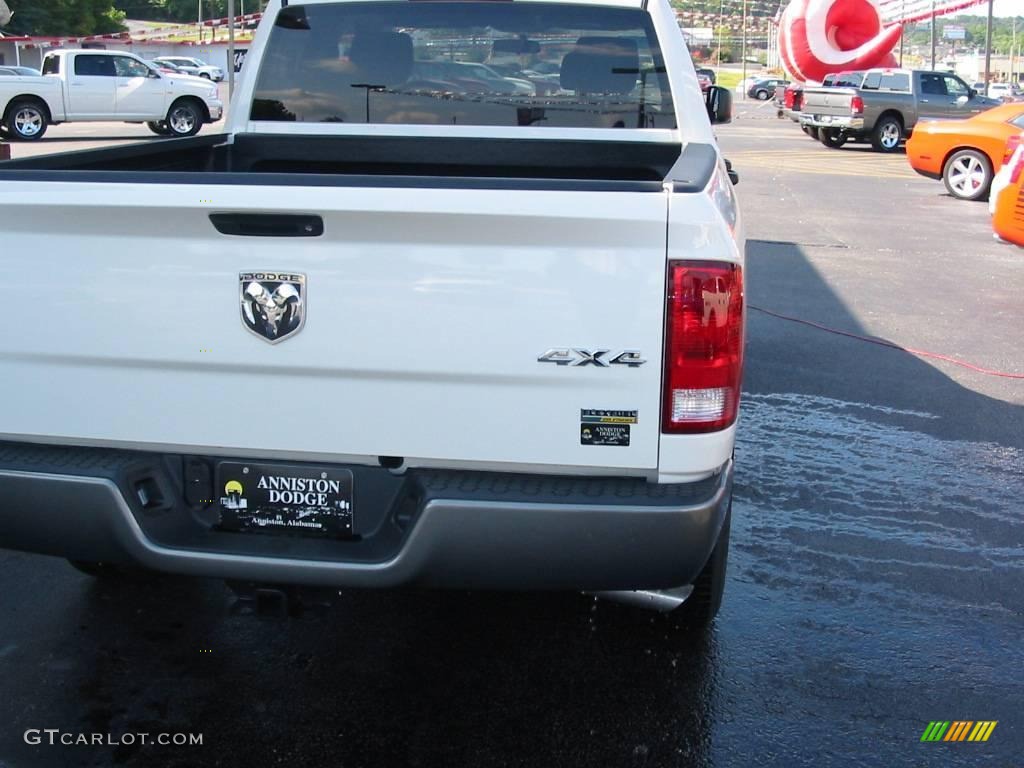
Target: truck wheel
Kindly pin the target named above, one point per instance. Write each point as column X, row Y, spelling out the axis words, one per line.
column 887, row 134
column 26, row 121
column 967, row 175
column 703, row 603
column 184, row 119
column 159, row 128
column 831, row 138
column 811, row 131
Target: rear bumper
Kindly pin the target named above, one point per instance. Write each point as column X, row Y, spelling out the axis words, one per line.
column 432, row 528
column 852, row 124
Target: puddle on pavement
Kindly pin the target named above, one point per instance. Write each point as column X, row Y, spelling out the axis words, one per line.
column 847, row 500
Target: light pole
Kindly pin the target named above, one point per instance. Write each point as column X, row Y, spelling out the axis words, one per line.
column 743, row 47
column 933, row 34
column 231, row 48
column 718, row 58
column 903, row 32
column 199, row 24
column 988, row 46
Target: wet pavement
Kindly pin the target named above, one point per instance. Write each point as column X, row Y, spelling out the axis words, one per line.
column 876, row 575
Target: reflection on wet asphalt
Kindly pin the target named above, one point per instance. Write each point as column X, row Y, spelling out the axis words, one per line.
column 872, row 589
column 845, row 494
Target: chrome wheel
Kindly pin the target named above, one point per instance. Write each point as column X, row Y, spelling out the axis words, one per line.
column 890, row 135
column 967, row 175
column 28, row 122
column 182, row 120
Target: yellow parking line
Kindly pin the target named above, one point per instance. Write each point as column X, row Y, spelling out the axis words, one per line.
column 818, row 164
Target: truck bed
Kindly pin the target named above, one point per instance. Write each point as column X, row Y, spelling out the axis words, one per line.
column 283, row 157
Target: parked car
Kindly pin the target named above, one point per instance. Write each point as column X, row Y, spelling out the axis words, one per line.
column 708, row 73
column 1008, row 214
column 965, row 154
column 1002, row 177
column 581, row 438
column 480, row 78
column 96, row 85
column 18, row 71
column 166, row 66
column 744, row 85
column 1005, row 92
column 763, row 89
column 888, row 105
column 792, row 100
column 193, row 66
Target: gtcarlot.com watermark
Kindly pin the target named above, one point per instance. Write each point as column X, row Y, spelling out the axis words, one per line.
column 55, row 736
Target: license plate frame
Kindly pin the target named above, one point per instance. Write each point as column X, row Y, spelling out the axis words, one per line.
column 280, row 498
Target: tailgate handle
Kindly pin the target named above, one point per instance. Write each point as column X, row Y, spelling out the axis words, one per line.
column 268, row 224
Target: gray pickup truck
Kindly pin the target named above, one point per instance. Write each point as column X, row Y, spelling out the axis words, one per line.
column 887, row 106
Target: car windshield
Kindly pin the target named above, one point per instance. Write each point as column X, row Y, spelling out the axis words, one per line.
column 464, row 63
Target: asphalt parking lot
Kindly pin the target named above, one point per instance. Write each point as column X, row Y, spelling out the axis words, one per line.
column 875, row 574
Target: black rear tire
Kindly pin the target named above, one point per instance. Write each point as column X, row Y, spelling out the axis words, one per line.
column 26, row 121
column 703, row 604
column 811, row 131
column 831, row 138
column 887, row 134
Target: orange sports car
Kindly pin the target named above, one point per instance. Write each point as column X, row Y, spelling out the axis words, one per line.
column 965, row 154
column 1008, row 218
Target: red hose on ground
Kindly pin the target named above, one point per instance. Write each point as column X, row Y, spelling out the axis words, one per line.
column 890, row 344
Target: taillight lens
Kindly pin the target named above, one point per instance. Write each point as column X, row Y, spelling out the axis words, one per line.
column 1011, row 145
column 856, row 105
column 1018, row 168
column 703, row 346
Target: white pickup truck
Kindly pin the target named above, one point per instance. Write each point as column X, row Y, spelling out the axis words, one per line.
column 98, row 85
column 389, row 330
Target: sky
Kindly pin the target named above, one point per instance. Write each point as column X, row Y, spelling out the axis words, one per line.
column 1001, row 8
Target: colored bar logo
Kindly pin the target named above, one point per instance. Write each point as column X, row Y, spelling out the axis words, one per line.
column 959, row 730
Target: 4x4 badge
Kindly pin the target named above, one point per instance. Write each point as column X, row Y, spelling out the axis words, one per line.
column 273, row 303
column 601, row 358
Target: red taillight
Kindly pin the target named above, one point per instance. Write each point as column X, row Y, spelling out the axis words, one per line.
column 1011, row 145
column 856, row 105
column 703, row 346
column 1017, row 169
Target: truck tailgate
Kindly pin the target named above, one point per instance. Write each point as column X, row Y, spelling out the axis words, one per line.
column 426, row 313
column 828, row 101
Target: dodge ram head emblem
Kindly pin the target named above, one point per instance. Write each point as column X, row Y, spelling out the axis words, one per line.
column 273, row 303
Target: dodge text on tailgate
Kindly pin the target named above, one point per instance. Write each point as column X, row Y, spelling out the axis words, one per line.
column 457, row 301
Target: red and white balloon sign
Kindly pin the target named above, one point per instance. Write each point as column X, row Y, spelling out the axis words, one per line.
column 817, row 37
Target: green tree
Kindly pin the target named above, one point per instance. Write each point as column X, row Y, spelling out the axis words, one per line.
column 64, row 17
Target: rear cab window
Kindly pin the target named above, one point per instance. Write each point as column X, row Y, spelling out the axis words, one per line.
column 895, row 81
column 464, row 63
column 51, row 65
column 88, row 64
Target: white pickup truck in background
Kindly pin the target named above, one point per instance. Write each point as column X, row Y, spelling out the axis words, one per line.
column 391, row 329
column 97, row 85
